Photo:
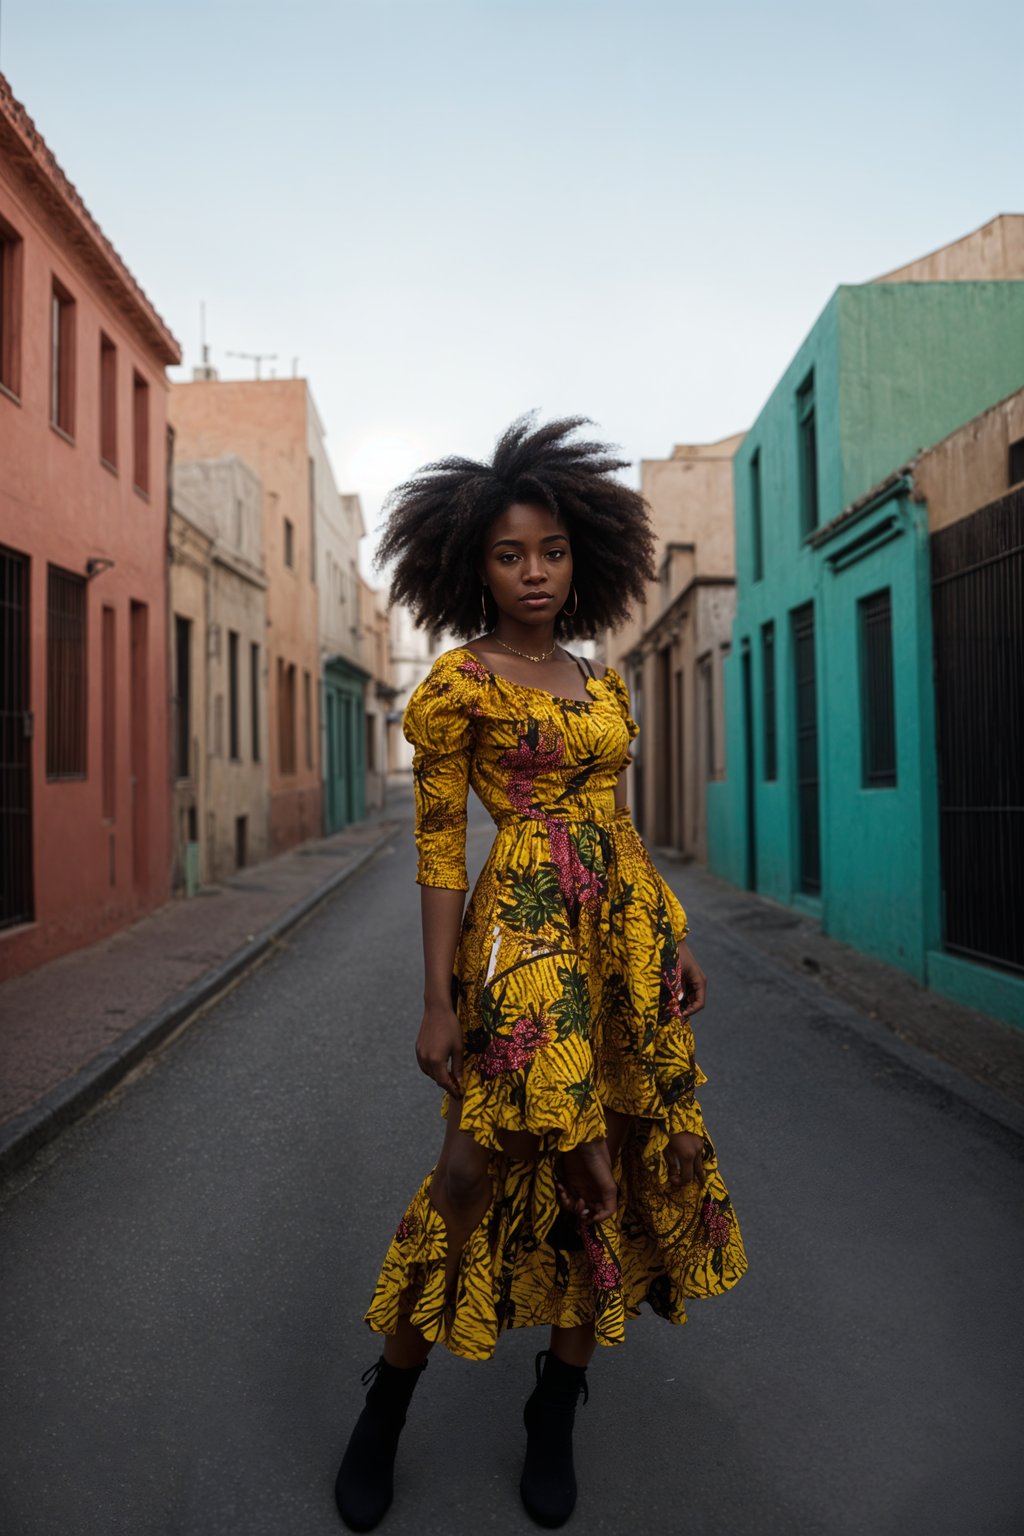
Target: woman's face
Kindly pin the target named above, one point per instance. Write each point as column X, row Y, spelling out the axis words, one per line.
column 527, row 557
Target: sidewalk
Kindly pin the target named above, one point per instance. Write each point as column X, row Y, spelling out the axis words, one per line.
column 72, row 1029
column 978, row 1047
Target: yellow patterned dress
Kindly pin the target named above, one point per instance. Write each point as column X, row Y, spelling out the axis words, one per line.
column 566, row 982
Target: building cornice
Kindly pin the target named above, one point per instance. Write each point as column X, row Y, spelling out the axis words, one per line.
column 23, row 147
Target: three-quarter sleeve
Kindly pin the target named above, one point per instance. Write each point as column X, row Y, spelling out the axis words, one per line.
column 438, row 726
column 620, row 693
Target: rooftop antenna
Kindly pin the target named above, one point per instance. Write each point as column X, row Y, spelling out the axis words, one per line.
column 295, row 367
column 256, row 358
column 204, row 373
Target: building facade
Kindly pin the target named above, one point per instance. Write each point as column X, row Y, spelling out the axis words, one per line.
column 219, row 734
column 830, row 797
column 85, row 793
column 344, row 677
column 267, row 424
column 672, row 650
column 381, row 692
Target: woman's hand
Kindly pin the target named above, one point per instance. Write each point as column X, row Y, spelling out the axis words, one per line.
column 695, row 983
column 685, row 1158
column 584, row 1185
column 439, row 1047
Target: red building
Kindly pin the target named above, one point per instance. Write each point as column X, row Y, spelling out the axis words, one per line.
column 84, row 772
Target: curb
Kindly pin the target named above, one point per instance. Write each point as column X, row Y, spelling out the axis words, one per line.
column 916, row 1060
column 23, row 1136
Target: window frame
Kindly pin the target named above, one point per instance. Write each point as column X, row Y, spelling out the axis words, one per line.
column 63, row 326
column 878, row 746
column 67, row 686
column 807, row 456
column 12, row 250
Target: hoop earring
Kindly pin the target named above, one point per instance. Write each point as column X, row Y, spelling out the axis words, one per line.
column 576, row 602
column 483, row 601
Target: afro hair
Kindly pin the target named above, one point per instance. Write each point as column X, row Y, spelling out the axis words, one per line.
column 437, row 523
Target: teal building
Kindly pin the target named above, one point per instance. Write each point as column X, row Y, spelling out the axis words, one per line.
column 830, row 799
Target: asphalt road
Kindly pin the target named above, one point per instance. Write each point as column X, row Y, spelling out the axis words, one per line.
column 184, row 1274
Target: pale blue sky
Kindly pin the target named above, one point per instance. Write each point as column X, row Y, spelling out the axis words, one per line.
column 454, row 210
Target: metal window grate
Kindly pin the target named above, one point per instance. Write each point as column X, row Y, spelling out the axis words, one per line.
column 16, row 902
column 877, row 699
column 978, row 627
column 65, row 675
column 771, row 755
column 807, row 778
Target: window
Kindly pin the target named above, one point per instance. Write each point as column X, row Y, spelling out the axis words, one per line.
column 182, row 697
column 140, row 433
column 289, row 543
column 878, row 714
column 1017, row 461
column 708, row 700
column 234, row 726
column 312, row 519
column 286, row 716
column 771, row 764
column 807, row 442
column 62, row 360
column 307, row 700
column 254, row 699
column 756, row 525
column 108, row 402
column 10, row 308
column 65, row 675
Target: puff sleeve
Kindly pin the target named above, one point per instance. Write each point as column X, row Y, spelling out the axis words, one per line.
column 437, row 724
column 620, row 693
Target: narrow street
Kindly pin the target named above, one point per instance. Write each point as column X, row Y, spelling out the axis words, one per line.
column 184, row 1274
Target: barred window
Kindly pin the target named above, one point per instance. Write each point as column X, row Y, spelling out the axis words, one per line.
column 878, row 713
column 756, row 516
column 65, row 674
column 807, row 433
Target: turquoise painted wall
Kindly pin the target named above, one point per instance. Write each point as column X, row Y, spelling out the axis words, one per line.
column 917, row 361
column 896, row 368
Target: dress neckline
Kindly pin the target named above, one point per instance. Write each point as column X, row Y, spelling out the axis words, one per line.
column 526, row 688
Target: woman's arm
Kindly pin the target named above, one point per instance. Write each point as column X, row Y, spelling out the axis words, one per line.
column 439, row 1044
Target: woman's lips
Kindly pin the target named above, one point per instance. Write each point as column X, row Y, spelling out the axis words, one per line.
column 536, row 599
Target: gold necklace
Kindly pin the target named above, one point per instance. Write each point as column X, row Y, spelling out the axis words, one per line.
column 526, row 653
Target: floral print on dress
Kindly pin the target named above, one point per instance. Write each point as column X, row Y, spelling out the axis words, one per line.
column 566, row 983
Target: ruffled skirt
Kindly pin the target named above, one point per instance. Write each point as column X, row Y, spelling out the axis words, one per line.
column 566, row 981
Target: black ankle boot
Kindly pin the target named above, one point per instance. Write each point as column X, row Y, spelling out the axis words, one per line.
column 364, row 1486
column 548, row 1483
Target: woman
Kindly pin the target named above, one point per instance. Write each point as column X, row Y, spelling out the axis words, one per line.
column 576, row 1178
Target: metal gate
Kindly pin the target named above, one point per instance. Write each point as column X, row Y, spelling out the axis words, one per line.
column 807, row 793
column 978, row 622
column 15, row 744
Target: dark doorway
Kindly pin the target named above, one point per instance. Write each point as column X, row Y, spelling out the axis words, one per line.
column 16, row 899
column 807, row 782
column 139, row 633
column 748, row 766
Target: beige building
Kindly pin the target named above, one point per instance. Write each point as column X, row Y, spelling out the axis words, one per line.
column 672, row 650
column 375, row 641
column 266, row 423
column 217, row 545
column 992, row 253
